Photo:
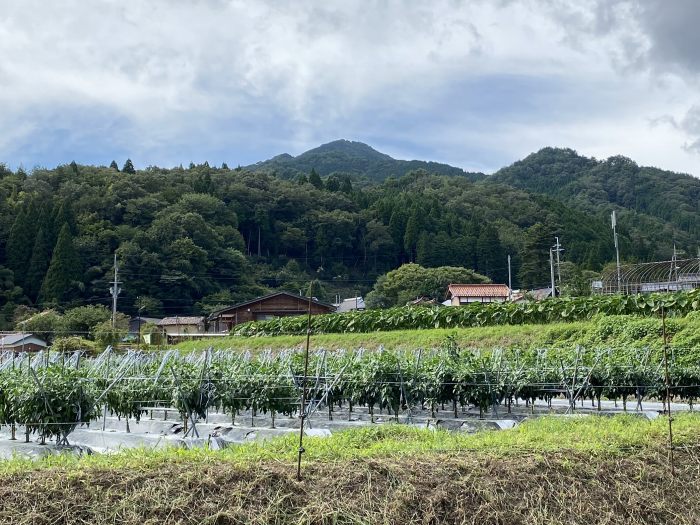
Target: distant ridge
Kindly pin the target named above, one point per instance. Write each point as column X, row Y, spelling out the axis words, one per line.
column 353, row 158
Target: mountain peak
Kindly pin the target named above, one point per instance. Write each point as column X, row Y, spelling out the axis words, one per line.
column 352, row 158
column 348, row 147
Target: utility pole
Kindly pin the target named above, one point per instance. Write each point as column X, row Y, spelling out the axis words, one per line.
column 114, row 291
column 510, row 281
column 551, row 270
column 558, row 249
column 617, row 252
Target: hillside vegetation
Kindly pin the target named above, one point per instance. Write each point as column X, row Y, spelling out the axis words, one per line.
column 189, row 240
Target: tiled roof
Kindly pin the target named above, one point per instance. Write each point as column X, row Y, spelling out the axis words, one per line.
column 477, row 290
column 169, row 321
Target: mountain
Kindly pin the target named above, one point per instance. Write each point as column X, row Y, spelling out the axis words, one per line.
column 352, row 158
column 661, row 206
column 191, row 240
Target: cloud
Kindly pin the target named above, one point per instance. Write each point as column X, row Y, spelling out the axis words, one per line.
column 477, row 84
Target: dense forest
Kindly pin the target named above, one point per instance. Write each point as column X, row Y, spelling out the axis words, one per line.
column 192, row 239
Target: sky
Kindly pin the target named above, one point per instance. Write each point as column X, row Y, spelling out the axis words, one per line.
column 476, row 84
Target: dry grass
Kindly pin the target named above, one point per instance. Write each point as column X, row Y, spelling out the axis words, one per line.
column 558, row 488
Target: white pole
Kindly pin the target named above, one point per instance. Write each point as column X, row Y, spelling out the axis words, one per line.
column 617, row 252
column 115, row 292
column 510, row 282
column 551, row 269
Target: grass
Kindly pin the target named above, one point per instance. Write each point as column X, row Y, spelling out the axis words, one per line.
column 591, row 435
column 606, row 331
column 488, row 336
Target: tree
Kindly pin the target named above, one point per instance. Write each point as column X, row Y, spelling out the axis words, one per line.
column 82, row 319
column 62, row 281
column 534, row 270
column 490, row 256
column 114, row 165
column 20, row 243
column 315, row 179
column 346, row 185
column 148, row 305
column 129, row 167
column 38, row 265
column 47, row 324
column 10, row 297
column 333, row 183
column 412, row 233
column 224, row 166
column 411, row 281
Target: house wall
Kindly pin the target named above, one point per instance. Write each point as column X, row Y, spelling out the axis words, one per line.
column 457, row 301
column 27, row 347
column 176, row 329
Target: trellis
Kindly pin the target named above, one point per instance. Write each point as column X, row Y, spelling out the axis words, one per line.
column 675, row 275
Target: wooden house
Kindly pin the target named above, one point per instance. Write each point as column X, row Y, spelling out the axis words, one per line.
column 278, row 304
column 21, row 342
column 461, row 294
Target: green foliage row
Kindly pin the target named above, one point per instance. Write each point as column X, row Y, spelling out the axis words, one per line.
column 479, row 314
column 52, row 400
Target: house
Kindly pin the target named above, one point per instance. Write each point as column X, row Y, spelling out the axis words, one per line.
column 350, row 304
column 461, row 294
column 180, row 328
column 136, row 325
column 278, row 304
column 19, row 342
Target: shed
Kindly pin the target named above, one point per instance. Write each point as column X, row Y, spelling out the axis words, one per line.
column 278, row 304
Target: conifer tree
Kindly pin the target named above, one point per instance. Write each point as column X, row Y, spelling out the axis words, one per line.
column 38, row 264
column 20, row 242
column 315, row 179
column 128, row 167
column 114, row 165
column 413, row 229
column 61, row 283
column 490, row 256
column 224, row 166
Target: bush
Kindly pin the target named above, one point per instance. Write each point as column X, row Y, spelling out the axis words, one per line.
column 73, row 344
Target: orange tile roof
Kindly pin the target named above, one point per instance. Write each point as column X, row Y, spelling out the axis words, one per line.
column 477, row 290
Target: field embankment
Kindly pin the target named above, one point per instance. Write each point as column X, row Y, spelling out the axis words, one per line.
column 610, row 330
column 553, row 470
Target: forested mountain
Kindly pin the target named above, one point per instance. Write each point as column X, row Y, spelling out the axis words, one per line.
column 344, row 157
column 656, row 207
column 192, row 239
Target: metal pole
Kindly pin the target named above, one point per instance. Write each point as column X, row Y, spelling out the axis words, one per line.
column 303, row 389
column 667, row 380
column 114, row 290
column 617, row 252
column 510, row 282
column 559, row 249
column 551, row 270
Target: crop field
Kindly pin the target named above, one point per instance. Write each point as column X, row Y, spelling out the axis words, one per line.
column 551, row 423
column 221, row 398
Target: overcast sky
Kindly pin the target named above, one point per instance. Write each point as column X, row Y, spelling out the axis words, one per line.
column 475, row 84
